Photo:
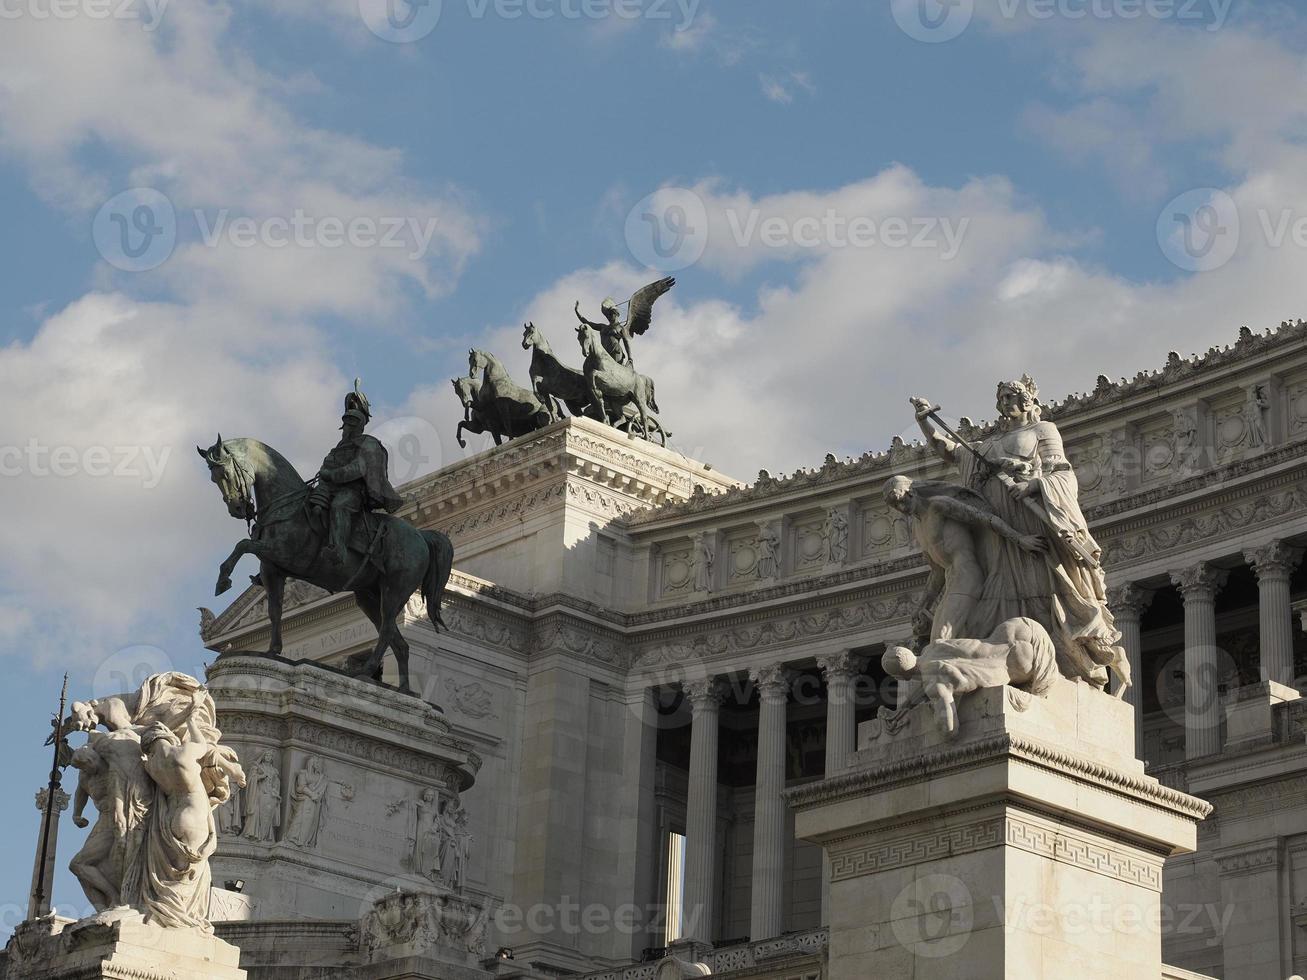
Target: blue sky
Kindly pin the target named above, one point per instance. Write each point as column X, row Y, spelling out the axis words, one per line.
column 1049, row 142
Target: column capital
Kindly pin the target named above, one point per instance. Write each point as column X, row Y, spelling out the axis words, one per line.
column 840, row 666
column 1201, row 581
column 60, row 799
column 1275, row 558
column 1129, row 599
column 772, row 680
column 706, row 694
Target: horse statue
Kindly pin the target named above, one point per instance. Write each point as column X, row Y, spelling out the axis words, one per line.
column 479, row 418
column 394, row 559
column 608, row 382
column 502, row 400
column 552, row 380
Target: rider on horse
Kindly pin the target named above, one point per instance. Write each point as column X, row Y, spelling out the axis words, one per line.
column 353, row 476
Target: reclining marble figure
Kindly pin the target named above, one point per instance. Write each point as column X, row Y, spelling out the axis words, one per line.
column 1020, row 652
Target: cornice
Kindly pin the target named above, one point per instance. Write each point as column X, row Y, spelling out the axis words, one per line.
column 860, row 782
column 1069, row 412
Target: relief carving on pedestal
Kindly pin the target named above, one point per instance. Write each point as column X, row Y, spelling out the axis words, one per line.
column 440, row 840
column 262, row 810
column 308, row 802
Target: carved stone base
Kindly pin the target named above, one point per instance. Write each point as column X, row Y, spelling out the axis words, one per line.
column 95, row 949
column 335, row 769
column 1030, row 846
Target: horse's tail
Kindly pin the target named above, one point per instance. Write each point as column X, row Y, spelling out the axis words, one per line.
column 653, row 402
column 440, row 562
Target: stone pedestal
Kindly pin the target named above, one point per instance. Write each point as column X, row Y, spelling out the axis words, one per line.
column 55, row 948
column 1030, row 846
column 349, row 761
column 1250, row 714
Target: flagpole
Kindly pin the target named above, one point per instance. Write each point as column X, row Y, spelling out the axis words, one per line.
column 56, row 777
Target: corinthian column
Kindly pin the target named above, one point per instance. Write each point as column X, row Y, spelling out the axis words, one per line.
column 1274, row 563
column 766, row 920
column 839, row 670
column 1202, row 708
column 1128, row 603
column 701, row 811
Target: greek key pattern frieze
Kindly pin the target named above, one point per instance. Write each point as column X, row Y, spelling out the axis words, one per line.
column 880, row 856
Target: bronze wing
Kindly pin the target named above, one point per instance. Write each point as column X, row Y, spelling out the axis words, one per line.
column 641, row 312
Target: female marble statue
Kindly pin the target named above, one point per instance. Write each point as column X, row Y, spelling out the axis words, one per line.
column 155, row 778
column 1028, row 482
column 175, row 874
column 306, row 799
column 427, row 836
column 263, row 799
column 455, row 843
column 227, row 816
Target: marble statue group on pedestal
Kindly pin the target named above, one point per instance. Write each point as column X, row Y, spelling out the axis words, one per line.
column 1016, row 593
column 155, row 775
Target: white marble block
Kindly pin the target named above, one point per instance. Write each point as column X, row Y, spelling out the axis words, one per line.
column 1029, row 846
column 55, row 948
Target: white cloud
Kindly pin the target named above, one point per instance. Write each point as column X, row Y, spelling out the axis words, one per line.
column 228, row 342
column 838, row 337
column 695, row 37
column 782, row 88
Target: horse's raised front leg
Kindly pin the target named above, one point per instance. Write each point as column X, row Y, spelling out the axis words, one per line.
column 243, row 548
column 275, row 584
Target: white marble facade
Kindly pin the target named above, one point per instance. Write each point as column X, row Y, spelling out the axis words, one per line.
column 639, row 646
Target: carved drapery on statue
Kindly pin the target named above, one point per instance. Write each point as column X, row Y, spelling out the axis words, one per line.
column 1010, row 544
column 155, row 777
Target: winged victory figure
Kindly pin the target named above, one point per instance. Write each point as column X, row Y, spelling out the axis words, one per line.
column 617, row 333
